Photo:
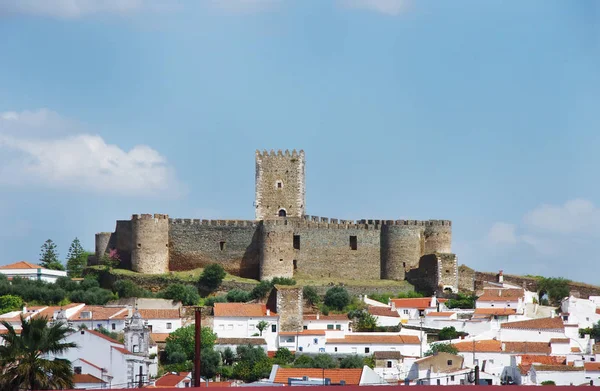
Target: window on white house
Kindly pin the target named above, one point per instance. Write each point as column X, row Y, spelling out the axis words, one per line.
column 452, row 378
column 77, row 370
column 329, row 327
column 169, row 326
column 338, row 326
column 221, row 327
column 389, row 364
column 274, row 328
column 335, row 349
column 136, row 349
column 229, row 327
column 114, row 326
column 367, row 350
column 405, row 312
column 315, row 340
column 449, row 362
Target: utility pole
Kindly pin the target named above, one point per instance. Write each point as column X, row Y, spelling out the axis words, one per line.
column 197, row 355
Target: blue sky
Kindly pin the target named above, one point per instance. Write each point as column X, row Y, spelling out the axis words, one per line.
column 485, row 113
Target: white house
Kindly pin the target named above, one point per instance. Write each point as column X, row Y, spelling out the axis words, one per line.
column 97, row 316
column 384, row 315
column 416, row 307
column 162, row 320
column 561, row 375
column 365, row 344
column 333, row 324
column 26, row 270
column 174, row 380
column 305, row 341
column 592, row 372
column 240, row 320
column 49, row 312
column 502, row 298
column 582, row 312
column 534, row 330
column 388, row 365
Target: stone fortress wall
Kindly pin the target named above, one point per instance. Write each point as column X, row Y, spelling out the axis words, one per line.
column 284, row 242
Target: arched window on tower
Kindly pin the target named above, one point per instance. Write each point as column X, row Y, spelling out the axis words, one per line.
column 282, row 213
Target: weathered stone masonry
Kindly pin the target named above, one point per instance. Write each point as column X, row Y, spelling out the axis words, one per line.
column 285, row 242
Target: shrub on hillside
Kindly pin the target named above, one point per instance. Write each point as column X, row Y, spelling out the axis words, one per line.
column 337, row 298
column 212, row 277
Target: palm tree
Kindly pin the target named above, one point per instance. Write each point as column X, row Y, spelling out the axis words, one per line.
column 23, row 358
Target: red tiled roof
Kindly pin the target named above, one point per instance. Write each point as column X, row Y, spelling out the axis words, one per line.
column 172, row 379
column 501, row 295
column 598, row 311
column 48, row 312
column 592, row 366
column 483, row 346
column 160, row 314
column 22, row 265
column 327, row 317
column 440, row 314
column 495, row 311
column 5, row 331
column 418, row 303
column 535, row 324
column 241, row 310
column 159, row 337
column 560, row 340
column 557, row 368
column 216, row 384
column 86, row 378
column 121, row 349
column 106, row 337
column 383, row 311
column 575, row 349
column 350, row 376
column 303, row 332
column 527, row 360
column 377, row 339
column 99, row 312
column 527, row 347
column 89, row 363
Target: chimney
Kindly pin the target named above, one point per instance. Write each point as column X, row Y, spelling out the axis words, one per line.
column 500, row 277
column 503, row 347
column 433, row 301
column 318, row 316
column 268, row 312
column 24, row 309
column 393, row 305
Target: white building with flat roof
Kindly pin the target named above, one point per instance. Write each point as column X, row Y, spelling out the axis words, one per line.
column 26, row 270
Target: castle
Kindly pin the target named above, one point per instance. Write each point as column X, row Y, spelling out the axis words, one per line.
column 285, row 242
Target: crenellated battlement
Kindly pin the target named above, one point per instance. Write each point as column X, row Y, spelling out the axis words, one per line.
column 279, row 153
column 218, row 223
column 147, row 216
column 376, row 222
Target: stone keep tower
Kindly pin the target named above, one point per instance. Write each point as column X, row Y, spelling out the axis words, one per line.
column 280, row 184
column 150, row 237
column 276, row 250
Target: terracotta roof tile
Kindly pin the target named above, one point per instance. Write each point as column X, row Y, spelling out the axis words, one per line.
column 535, row 324
column 89, row 363
column 482, row 346
column 383, row 311
column 376, row 339
column 350, row 376
column 99, row 334
column 387, row 355
column 327, row 317
column 592, row 366
column 440, row 314
column 160, row 314
column 527, row 347
column 159, row 337
column 216, row 384
column 99, row 312
column 575, row 349
column 48, row 312
column 495, row 311
column 241, row 310
column 121, row 349
column 501, row 295
column 557, row 368
column 303, row 332
column 22, row 265
column 418, row 303
column 172, row 379
column 241, row 341
column 86, row 378
column 560, row 340
column 541, row 359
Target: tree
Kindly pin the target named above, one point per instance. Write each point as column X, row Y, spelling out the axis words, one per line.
column 548, row 383
column 353, row 361
column 304, row 361
column 111, row 260
column 283, row 281
column 10, row 303
column 212, row 276
column 210, row 301
column 253, row 363
column 324, row 361
column 462, row 301
column 311, row 295
column 186, row 294
column 210, row 361
column 228, row 356
column 261, row 326
column 183, row 340
column 283, row 356
column 441, row 347
column 126, row 288
column 448, row 333
column 555, row 288
column 593, row 331
column 76, row 259
column 238, row 296
column 49, row 256
column 261, row 290
column 23, row 361
column 363, row 320
column 337, row 297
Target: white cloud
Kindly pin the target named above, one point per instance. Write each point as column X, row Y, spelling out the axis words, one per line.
column 502, row 233
column 388, row 7
column 77, row 161
column 72, row 9
column 576, row 215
